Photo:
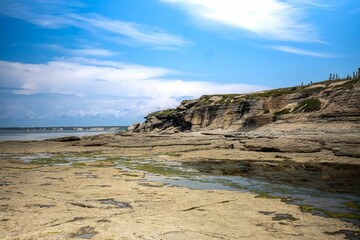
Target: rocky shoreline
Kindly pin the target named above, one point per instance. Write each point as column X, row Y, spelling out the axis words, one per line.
column 41, row 199
column 98, row 187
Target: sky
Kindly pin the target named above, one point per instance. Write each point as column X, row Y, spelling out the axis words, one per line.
column 111, row 62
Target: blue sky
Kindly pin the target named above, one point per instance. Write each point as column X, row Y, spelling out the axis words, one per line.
column 111, row 62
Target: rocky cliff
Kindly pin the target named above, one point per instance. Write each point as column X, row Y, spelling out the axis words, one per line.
column 337, row 100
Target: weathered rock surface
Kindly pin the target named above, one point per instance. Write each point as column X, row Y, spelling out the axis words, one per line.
column 314, row 118
column 333, row 101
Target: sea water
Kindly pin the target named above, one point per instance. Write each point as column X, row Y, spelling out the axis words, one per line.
column 29, row 134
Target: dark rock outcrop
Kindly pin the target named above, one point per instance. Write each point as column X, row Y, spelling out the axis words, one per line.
column 65, row 139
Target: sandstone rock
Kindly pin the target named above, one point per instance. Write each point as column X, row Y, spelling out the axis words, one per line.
column 347, row 150
column 134, row 127
column 282, row 145
column 244, row 112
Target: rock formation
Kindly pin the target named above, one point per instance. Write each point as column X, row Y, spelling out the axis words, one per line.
column 337, row 100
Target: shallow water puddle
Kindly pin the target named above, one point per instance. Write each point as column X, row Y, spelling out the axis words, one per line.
column 59, row 159
column 328, row 190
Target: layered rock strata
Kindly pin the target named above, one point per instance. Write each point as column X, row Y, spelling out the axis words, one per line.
column 322, row 117
column 322, row 102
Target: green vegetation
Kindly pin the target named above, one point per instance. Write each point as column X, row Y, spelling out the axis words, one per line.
column 171, row 154
column 282, row 112
column 156, row 169
column 76, row 160
column 49, row 161
column 163, row 113
column 349, row 84
column 225, row 99
column 339, row 215
column 272, row 93
column 354, row 205
column 79, row 164
column 329, row 82
column 312, row 90
column 229, row 183
column 308, row 105
column 334, row 77
column 204, row 100
column 265, row 195
column 311, row 105
column 306, row 208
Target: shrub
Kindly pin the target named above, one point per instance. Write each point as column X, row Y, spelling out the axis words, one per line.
column 308, row 105
column 312, row 90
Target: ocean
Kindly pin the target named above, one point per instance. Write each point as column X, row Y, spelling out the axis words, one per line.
column 42, row 133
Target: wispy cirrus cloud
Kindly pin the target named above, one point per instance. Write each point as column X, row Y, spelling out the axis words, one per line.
column 269, row 19
column 48, row 14
column 86, row 51
column 138, row 33
column 314, row 3
column 61, row 14
column 304, row 52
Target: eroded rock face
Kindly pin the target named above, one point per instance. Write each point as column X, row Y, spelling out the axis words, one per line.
column 330, row 101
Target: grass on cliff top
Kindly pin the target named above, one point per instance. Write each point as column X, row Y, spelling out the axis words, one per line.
column 349, row 84
column 349, row 81
column 311, row 105
column 225, row 99
column 282, row 91
column 229, row 98
column 163, row 113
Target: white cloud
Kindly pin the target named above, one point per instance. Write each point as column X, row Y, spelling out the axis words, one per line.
column 135, row 89
column 299, row 51
column 61, row 14
column 314, row 3
column 49, row 14
column 138, row 33
column 92, row 52
column 271, row 19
